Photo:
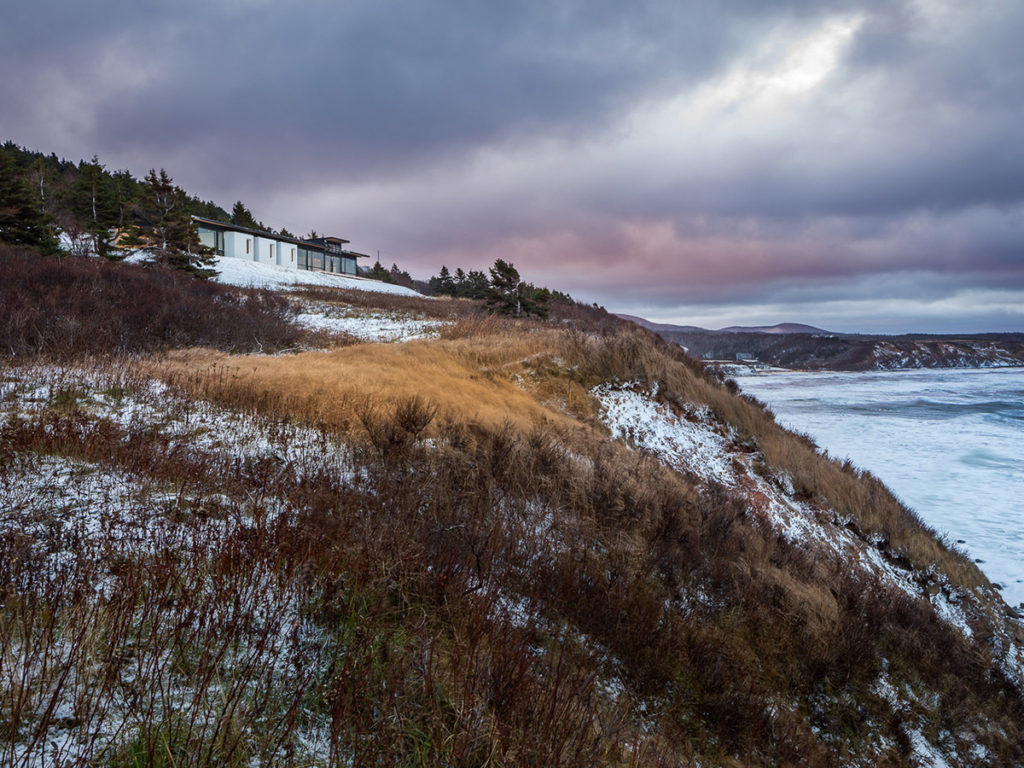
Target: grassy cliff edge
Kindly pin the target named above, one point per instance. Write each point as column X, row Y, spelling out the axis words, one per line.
column 517, row 543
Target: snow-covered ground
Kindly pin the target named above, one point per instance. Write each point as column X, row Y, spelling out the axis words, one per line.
column 190, row 426
column 76, row 520
column 947, row 442
column 367, row 326
column 694, row 442
column 633, row 414
column 248, row 274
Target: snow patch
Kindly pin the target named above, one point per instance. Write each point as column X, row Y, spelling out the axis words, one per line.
column 635, row 416
column 372, row 326
column 249, row 274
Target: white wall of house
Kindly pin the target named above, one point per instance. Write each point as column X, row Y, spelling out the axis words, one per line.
column 262, row 250
column 238, row 245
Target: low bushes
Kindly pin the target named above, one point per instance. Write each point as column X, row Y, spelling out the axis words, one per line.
column 69, row 308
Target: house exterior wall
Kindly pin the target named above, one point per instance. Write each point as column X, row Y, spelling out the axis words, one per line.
column 235, row 245
column 263, row 250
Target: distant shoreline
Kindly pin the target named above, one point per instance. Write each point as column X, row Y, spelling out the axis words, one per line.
column 733, row 368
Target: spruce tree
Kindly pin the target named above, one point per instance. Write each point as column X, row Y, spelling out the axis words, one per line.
column 400, row 276
column 459, row 282
column 94, row 205
column 124, row 187
column 476, row 285
column 242, row 216
column 165, row 212
column 22, row 220
column 509, row 295
column 443, row 283
column 377, row 272
column 504, row 294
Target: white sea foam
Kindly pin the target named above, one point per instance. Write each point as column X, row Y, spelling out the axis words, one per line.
column 947, row 442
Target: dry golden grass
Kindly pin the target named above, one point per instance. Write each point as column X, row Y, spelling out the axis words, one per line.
column 490, row 372
column 636, row 354
column 467, row 380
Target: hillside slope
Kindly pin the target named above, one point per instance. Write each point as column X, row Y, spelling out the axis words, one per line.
column 514, row 543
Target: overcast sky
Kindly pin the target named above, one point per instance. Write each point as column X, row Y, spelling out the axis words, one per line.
column 853, row 165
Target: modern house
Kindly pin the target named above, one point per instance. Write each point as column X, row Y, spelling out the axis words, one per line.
column 326, row 254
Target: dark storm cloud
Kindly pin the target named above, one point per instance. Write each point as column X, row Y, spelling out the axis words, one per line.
column 659, row 153
column 362, row 87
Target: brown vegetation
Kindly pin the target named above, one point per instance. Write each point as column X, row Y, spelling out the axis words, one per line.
column 76, row 307
column 435, row 556
column 437, row 308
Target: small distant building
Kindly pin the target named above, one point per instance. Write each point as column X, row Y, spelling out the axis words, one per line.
column 745, row 357
column 324, row 254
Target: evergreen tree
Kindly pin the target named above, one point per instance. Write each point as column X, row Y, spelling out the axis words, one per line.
column 165, row 211
column 125, row 192
column 400, row 276
column 443, row 284
column 22, row 220
column 242, row 217
column 459, row 282
column 94, row 205
column 504, row 294
column 476, row 285
column 509, row 295
column 377, row 272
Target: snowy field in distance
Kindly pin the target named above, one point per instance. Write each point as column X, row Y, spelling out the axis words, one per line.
column 947, row 442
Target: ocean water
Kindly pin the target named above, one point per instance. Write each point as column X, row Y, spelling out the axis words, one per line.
column 949, row 443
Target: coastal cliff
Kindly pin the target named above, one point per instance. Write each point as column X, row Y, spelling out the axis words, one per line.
column 502, row 542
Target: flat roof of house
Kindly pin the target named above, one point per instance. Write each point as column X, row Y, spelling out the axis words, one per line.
column 315, row 243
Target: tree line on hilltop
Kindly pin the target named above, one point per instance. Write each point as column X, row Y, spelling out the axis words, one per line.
column 95, row 210
column 504, row 291
column 98, row 210
column 104, row 212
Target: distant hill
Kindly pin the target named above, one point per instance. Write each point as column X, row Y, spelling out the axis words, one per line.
column 658, row 327
column 777, row 329
column 794, row 345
